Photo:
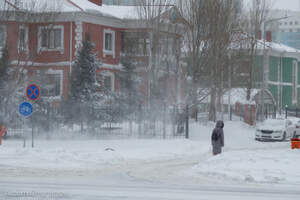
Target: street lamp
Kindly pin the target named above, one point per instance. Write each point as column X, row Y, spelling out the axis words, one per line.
column 264, row 74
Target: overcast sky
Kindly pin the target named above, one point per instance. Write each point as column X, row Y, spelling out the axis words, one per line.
column 287, row 4
column 282, row 4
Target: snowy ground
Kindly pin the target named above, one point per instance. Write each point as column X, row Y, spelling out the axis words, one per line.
column 175, row 163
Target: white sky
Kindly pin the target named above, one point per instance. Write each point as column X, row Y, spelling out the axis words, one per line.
column 283, row 4
column 287, row 4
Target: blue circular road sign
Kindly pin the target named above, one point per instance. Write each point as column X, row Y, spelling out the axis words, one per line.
column 25, row 109
column 33, row 92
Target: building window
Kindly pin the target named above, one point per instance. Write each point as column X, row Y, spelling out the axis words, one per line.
column 291, row 23
column 51, row 38
column 296, row 22
column 285, row 23
column 109, row 43
column 2, row 36
column 51, row 84
column 107, row 80
column 23, row 38
column 291, row 30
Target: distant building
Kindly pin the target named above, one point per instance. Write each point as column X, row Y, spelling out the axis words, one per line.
column 286, row 31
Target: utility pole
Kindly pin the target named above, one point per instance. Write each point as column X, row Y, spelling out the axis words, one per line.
column 229, row 86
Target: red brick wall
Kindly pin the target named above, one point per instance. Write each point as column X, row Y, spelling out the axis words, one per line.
column 33, row 55
column 96, row 33
column 98, row 2
column 65, row 82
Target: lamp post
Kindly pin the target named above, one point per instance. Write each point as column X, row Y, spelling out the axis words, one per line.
column 264, row 73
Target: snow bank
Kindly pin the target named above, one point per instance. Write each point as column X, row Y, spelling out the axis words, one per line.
column 272, row 166
column 89, row 154
column 244, row 159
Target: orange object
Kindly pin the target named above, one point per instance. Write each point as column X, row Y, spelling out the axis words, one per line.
column 2, row 132
column 295, row 143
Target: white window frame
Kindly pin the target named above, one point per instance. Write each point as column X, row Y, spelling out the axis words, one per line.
column 40, row 48
column 61, row 75
column 5, row 36
column 112, row 78
column 112, row 51
column 26, row 39
column 295, row 83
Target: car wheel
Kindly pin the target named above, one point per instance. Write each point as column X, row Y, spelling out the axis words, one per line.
column 284, row 136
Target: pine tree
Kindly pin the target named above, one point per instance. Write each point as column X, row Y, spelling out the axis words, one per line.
column 84, row 89
column 4, row 78
column 4, row 66
column 83, row 80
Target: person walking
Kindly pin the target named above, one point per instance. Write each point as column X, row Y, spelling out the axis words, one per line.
column 217, row 138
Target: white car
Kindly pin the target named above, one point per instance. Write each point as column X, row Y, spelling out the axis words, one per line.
column 297, row 131
column 275, row 129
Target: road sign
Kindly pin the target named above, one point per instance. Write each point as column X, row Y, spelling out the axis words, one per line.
column 25, row 109
column 33, row 92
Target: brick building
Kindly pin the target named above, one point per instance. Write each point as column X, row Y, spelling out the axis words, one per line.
column 46, row 42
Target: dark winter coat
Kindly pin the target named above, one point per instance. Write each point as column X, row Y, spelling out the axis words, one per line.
column 219, row 143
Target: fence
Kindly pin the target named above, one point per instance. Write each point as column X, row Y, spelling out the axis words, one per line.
column 294, row 112
column 247, row 112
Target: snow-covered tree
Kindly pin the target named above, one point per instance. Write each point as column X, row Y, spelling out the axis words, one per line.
column 4, row 67
column 84, row 88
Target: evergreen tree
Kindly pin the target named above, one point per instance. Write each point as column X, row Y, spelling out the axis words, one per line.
column 4, row 78
column 83, row 79
column 84, row 89
column 4, row 66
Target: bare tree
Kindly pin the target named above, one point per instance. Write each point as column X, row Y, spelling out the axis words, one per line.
column 252, row 25
column 213, row 25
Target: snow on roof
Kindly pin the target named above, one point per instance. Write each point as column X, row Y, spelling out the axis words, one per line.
column 236, row 95
column 121, row 12
column 239, row 95
column 38, row 5
column 244, row 37
column 276, row 46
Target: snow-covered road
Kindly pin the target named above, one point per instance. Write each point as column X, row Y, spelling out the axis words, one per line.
column 132, row 189
column 151, row 169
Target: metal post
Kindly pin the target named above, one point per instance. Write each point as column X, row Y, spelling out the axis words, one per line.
column 229, row 85
column 187, row 123
column 286, row 111
column 24, row 138
column 164, row 122
column 32, row 132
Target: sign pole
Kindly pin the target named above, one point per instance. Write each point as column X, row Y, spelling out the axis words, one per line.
column 32, row 93
column 32, row 132
column 24, row 138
